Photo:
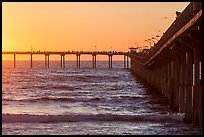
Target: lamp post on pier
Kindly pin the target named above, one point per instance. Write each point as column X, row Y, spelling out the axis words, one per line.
column 95, row 48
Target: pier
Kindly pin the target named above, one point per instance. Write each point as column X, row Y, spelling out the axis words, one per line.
column 78, row 54
column 173, row 66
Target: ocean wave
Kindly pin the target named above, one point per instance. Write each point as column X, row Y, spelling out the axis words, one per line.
column 28, row 118
column 41, row 99
column 92, row 78
column 59, row 87
column 58, row 99
column 77, row 99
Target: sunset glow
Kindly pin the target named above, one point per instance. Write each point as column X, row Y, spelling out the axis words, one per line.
column 83, row 26
column 102, row 68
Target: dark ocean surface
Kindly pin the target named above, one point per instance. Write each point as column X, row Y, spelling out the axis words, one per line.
column 83, row 101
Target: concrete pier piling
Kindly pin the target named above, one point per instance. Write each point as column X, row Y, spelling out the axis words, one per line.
column 14, row 55
column 197, row 89
column 94, row 60
column 182, row 90
column 46, row 60
column 127, row 62
column 62, row 60
column 110, row 60
column 31, row 60
column 173, row 66
column 78, row 61
column 62, row 56
column 124, row 61
column 189, row 85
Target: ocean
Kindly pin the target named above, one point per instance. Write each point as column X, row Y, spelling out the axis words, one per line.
column 83, row 101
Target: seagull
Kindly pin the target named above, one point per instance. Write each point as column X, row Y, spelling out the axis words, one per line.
column 165, row 18
column 177, row 13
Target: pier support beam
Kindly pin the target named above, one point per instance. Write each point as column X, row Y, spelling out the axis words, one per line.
column 124, row 61
column 182, row 94
column 168, row 92
column 189, row 84
column 127, row 62
column 176, row 84
column 62, row 61
column 172, row 85
column 46, row 60
column 110, row 61
column 162, row 79
column 197, row 89
column 14, row 55
column 166, row 80
column 78, row 60
column 31, row 60
column 94, row 60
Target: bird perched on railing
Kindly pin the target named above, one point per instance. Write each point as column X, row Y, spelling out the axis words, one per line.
column 177, row 13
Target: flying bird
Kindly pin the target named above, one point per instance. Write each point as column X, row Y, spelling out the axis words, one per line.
column 165, row 18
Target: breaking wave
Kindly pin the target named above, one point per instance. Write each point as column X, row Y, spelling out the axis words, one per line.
column 28, row 118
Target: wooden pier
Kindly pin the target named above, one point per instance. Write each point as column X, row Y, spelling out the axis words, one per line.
column 62, row 54
column 173, row 66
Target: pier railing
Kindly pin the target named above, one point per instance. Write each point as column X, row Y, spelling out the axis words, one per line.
column 189, row 12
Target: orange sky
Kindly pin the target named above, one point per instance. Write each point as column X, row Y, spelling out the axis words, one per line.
column 82, row 25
